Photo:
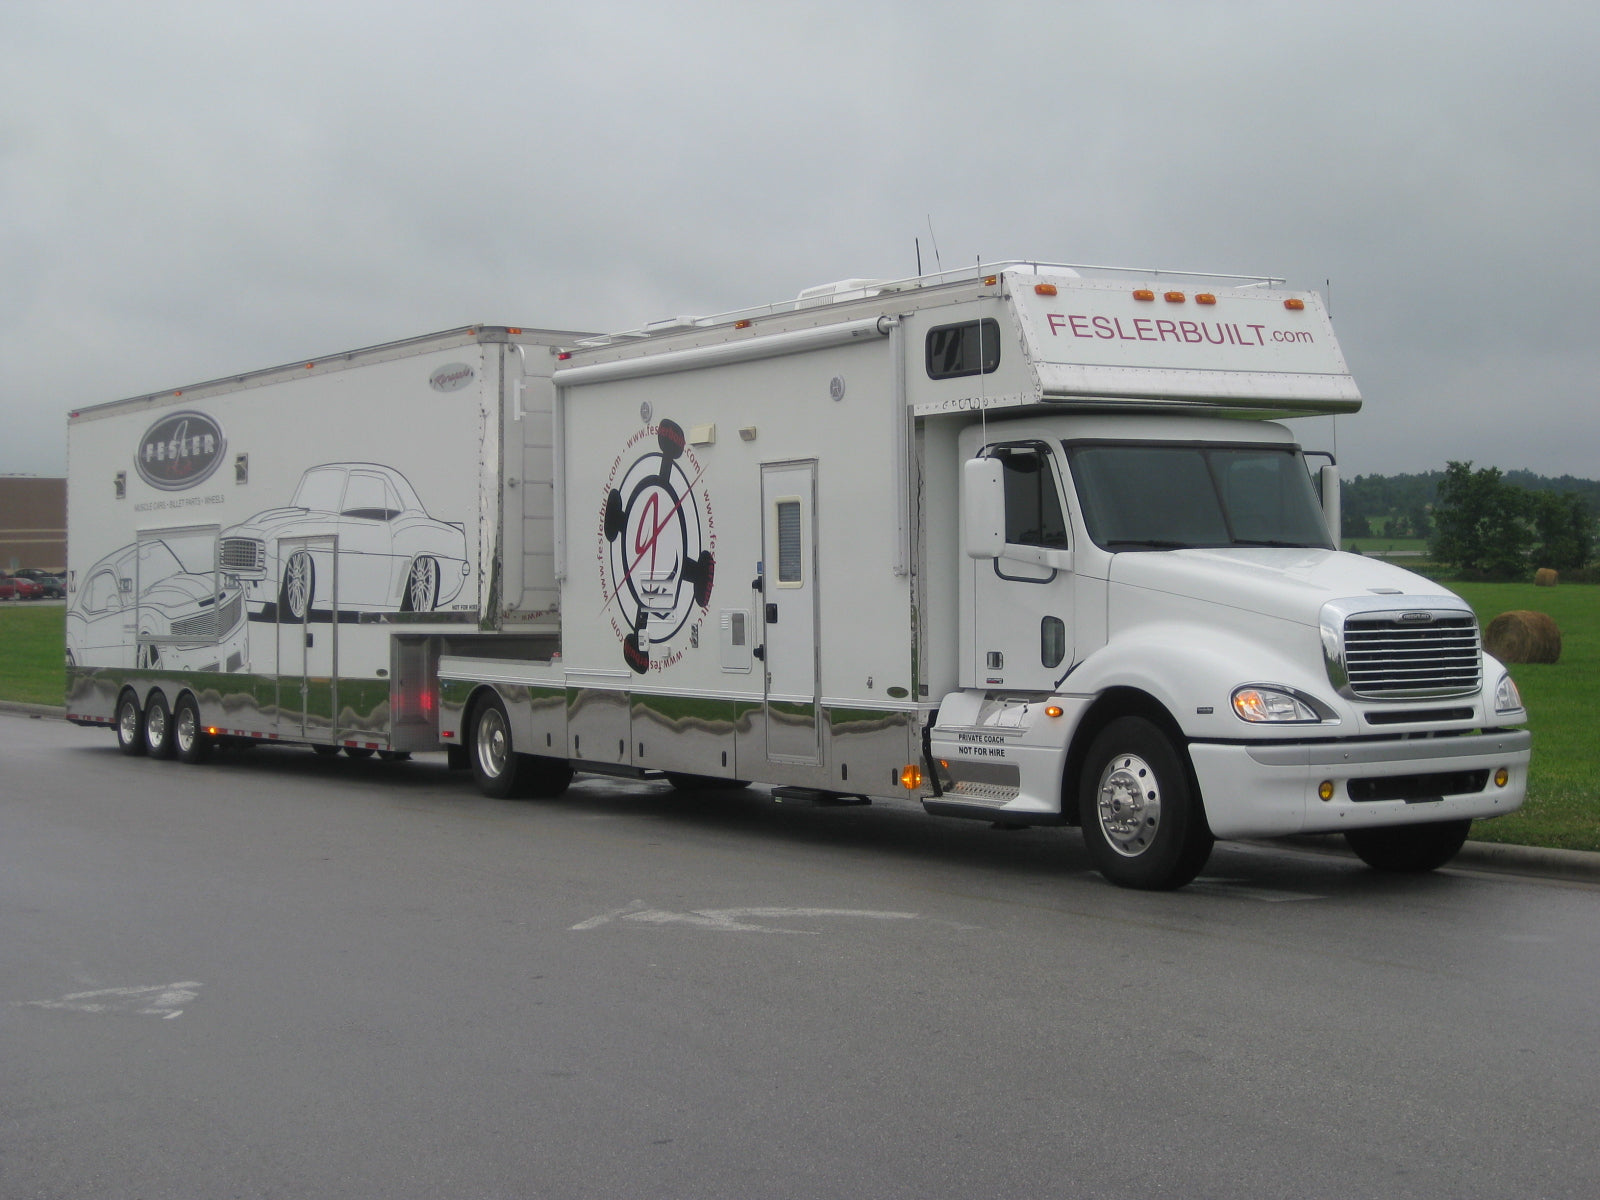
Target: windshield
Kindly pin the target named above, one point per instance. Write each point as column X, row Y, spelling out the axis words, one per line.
column 1154, row 497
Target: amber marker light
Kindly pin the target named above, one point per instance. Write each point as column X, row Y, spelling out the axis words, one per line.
column 1293, row 304
column 741, row 324
column 513, row 330
column 1502, row 777
column 1204, row 298
column 990, row 280
column 911, row 776
column 1143, row 294
column 1053, row 710
column 1325, row 789
column 1175, row 297
column 1044, row 289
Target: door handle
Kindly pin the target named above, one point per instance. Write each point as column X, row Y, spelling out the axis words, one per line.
column 772, row 614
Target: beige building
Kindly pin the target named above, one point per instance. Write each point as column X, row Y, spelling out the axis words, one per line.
column 33, row 522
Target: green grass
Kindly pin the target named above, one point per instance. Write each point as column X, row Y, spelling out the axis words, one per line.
column 32, row 653
column 1563, row 807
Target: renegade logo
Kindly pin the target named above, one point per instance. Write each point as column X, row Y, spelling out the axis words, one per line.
column 179, row 451
column 656, row 547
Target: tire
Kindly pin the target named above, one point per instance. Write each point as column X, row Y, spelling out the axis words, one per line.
column 499, row 770
column 130, row 725
column 189, row 736
column 1409, row 849
column 298, row 587
column 703, row 783
column 1143, row 823
column 359, row 751
column 422, row 586
column 322, row 751
column 394, row 755
column 158, row 741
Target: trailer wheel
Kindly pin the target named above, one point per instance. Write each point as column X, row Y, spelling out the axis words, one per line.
column 299, row 582
column 130, row 725
column 359, row 751
column 157, row 727
column 422, row 586
column 497, row 767
column 1409, row 848
column 1142, row 821
column 190, row 738
column 321, row 750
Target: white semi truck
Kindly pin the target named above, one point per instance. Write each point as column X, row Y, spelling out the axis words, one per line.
column 1022, row 543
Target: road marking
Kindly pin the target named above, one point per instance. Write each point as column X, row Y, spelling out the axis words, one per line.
column 735, row 920
column 164, row 1000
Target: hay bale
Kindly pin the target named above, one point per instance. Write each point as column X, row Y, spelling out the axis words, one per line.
column 1545, row 577
column 1521, row 636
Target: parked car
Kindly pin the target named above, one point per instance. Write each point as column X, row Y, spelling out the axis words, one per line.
column 19, row 587
column 393, row 556
column 55, row 588
column 177, row 618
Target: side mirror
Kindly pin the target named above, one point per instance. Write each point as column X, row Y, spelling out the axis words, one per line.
column 983, row 508
column 1328, row 479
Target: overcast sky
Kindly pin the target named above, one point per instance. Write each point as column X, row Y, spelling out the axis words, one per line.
column 194, row 190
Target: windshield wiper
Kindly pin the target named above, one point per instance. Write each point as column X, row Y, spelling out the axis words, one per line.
column 1145, row 544
column 1276, row 542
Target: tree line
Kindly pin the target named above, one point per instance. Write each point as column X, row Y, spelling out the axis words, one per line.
column 1483, row 522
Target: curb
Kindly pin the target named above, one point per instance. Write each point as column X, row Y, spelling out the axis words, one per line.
column 1581, row 866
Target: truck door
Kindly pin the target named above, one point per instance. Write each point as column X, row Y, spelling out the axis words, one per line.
column 308, row 637
column 1023, row 599
column 789, row 610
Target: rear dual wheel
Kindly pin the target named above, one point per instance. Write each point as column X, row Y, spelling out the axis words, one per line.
column 499, row 770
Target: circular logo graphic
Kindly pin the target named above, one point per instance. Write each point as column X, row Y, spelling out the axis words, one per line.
column 179, row 451
column 656, row 546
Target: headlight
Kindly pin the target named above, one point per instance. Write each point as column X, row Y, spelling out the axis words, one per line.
column 1506, row 696
column 1277, row 705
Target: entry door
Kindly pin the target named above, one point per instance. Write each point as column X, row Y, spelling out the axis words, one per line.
column 789, row 609
column 308, row 635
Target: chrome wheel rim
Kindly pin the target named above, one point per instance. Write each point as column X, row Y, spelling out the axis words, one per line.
column 187, row 729
column 128, row 723
column 493, row 744
column 155, row 725
column 1129, row 805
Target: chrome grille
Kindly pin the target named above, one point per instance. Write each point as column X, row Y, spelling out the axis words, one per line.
column 241, row 554
column 1386, row 655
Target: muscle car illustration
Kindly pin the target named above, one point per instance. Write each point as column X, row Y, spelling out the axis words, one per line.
column 392, row 556
column 142, row 606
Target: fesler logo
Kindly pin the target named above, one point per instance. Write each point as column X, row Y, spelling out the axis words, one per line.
column 656, row 547
column 179, row 451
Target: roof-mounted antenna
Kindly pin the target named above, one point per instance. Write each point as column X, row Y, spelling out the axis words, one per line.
column 937, row 262
column 917, row 242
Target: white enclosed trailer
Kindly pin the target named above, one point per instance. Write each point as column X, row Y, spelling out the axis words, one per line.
column 1016, row 543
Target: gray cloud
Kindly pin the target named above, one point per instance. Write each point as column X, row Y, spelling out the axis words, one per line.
column 188, row 191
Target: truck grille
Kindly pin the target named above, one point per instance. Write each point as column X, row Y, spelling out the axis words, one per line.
column 241, row 554
column 1387, row 656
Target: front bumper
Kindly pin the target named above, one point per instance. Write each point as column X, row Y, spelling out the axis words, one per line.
column 1271, row 789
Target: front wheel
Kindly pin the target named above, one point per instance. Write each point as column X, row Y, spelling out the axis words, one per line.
column 188, row 735
column 1410, row 849
column 1142, row 820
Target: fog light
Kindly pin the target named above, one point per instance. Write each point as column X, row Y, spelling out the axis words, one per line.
column 1502, row 777
column 1325, row 789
